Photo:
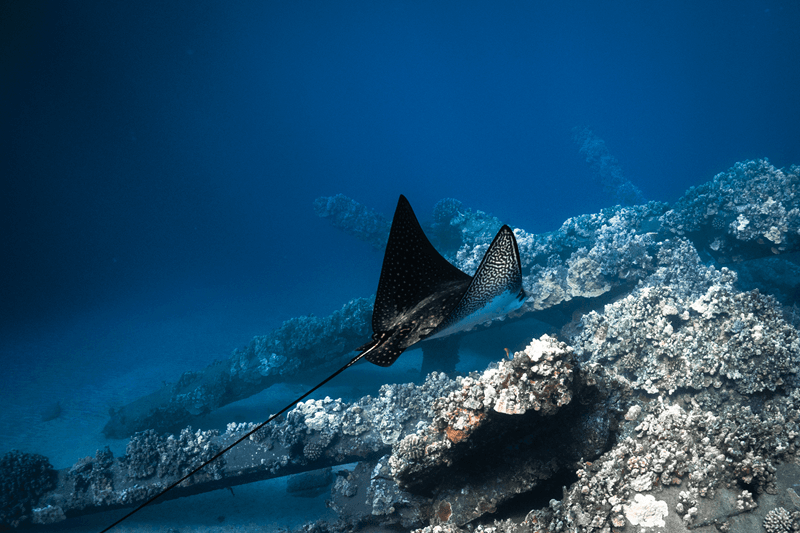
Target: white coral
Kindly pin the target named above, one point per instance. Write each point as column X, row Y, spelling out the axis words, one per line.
column 778, row 520
column 646, row 511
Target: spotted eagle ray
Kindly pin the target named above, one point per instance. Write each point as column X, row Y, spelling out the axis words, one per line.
column 420, row 296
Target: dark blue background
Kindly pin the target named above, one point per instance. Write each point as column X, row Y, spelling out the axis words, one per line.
column 149, row 146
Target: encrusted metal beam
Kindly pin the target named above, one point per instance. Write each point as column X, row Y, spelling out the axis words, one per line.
column 323, row 344
column 315, row 434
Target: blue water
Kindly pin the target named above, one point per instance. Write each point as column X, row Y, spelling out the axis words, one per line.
column 160, row 160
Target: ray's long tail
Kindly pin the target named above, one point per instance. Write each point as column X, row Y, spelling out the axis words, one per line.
column 368, row 348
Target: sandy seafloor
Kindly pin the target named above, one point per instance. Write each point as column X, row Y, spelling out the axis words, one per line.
column 111, row 355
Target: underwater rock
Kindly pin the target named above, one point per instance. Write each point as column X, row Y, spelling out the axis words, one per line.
column 497, row 435
column 694, row 449
column 367, row 496
column 689, row 467
column 326, row 432
column 24, row 478
column 48, row 515
column 718, row 445
column 592, row 255
column 354, row 218
column 606, row 167
column 713, row 448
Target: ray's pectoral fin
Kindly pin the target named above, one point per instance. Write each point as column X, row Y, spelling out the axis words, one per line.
column 495, row 290
column 412, row 272
column 422, row 296
column 385, row 347
column 418, row 288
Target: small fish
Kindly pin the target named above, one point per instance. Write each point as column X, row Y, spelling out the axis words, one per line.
column 420, row 296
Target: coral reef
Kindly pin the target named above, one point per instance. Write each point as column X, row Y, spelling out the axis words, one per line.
column 591, row 258
column 779, row 520
column 24, row 478
column 148, row 454
column 646, row 511
column 752, row 209
column 662, row 341
column 315, row 434
column 48, row 515
column 538, row 379
column 498, row 434
column 503, row 432
column 669, row 399
column 695, row 452
column 303, row 341
column 93, row 478
column 701, row 367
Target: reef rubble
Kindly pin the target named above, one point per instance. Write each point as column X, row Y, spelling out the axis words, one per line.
column 667, row 401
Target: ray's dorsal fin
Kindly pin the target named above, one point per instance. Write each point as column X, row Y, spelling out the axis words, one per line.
column 412, row 269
